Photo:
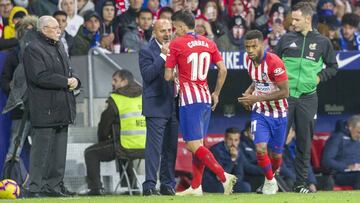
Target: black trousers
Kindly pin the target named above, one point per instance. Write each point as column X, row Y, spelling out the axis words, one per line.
column 302, row 112
column 47, row 158
column 160, row 151
column 104, row 152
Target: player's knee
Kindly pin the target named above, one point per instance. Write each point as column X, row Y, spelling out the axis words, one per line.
column 261, row 148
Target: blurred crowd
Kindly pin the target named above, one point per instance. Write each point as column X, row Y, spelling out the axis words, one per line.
column 126, row 25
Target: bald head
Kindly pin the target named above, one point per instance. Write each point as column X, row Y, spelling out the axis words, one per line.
column 49, row 26
column 162, row 31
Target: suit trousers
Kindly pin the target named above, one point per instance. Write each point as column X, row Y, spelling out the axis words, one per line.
column 161, row 144
column 47, row 158
column 302, row 113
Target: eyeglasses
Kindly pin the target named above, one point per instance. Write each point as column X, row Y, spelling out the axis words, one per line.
column 53, row 28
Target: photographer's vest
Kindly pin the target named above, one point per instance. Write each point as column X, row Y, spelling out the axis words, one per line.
column 132, row 123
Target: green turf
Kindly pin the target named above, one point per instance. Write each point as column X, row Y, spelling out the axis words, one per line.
column 325, row 197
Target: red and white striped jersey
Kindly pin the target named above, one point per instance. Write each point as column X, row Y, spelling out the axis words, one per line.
column 193, row 54
column 265, row 76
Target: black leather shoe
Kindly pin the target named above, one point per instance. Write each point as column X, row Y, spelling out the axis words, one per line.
column 65, row 191
column 151, row 192
column 167, row 191
column 98, row 192
column 36, row 195
column 57, row 194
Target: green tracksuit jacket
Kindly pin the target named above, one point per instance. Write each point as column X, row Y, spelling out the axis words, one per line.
column 304, row 58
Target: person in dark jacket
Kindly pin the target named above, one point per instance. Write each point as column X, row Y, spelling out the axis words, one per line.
column 304, row 53
column 138, row 34
column 123, row 84
column 253, row 172
column 24, row 32
column 127, row 18
column 229, row 155
column 65, row 38
column 52, row 107
column 342, row 154
column 88, row 35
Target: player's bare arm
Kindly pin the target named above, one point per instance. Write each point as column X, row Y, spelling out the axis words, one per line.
column 283, row 92
column 169, row 74
column 222, row 71
column 248, row 91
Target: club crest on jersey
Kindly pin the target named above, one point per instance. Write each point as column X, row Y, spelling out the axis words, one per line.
column 264, row 76
column 279, row 71
column 312, row 46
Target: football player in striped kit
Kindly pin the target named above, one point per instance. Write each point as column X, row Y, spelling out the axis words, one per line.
column 192, row 54
column 266, row 99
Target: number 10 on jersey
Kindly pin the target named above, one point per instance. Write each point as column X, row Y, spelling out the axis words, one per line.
column 200, row 63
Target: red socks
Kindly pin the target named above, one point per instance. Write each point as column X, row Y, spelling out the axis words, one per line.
column 208, row 159
column 198, row 170
column 275, row 163
column 264, row 162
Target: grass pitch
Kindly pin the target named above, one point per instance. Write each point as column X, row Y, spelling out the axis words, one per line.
column 320, row 197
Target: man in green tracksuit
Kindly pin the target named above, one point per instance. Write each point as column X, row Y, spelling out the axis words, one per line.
column 304, row 53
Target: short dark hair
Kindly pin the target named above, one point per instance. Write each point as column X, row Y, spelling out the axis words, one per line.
column 186, row 17
column 232, row 130
column 306, row 8
column 350, row 19
column 59, row 13
column 144, row 10
column 254, row 34
column 124, row 74
column 166, row 10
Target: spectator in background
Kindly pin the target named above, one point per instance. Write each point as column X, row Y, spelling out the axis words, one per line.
column 16, row 101
column 193, row 6
column 88, row 35
column 228, row 154
column 233, row 39
column 277, row 31
column 287, row 169
column 154, row 7
column 127, row 18
column 65, row 38
column 203, row 27
column 5, row 8
column 41, row 7
column 107, row 25
column 16, row 14
column 138, row 34
column 211, row 13
column 253, row 172
column 74, row 20
column 52, row 107
column 357, row 8
column 22, row 3
column 84, row 5
column 342, row 154
column 177, row 5
column 331, row 29
column 166, row 13
column 241, row 8
column 349, row 37
column 124, row 99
